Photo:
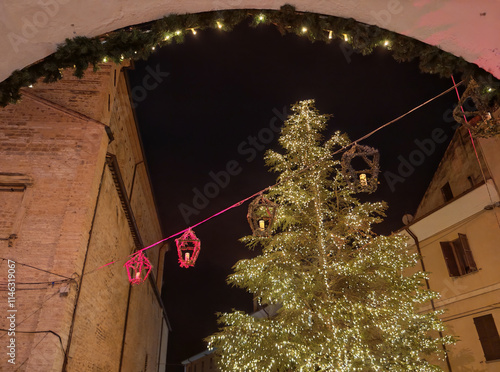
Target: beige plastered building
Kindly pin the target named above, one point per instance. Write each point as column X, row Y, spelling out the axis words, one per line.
column 456, row 230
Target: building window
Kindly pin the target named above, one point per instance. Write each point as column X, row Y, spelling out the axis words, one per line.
column 458, row 256
column 488, row 336
column 447, row 193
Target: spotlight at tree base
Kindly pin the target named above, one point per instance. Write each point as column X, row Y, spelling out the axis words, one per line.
column 261, row 216
column 188, row 248
column 138, row 268
column 361, row 180
column 480, row 122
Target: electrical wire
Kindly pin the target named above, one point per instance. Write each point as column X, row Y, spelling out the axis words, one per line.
column 25, row 360
column 287, row 178
column 36, row 268
column 49, row 331
column 34, row 312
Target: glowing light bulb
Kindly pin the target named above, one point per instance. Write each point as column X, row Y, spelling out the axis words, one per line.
column 261, row 17
column 178, row 32
column 193, row 31
column 187, row 256
column 362, row 180
column 262, row 224
column 30, row 86
column 304, row 30
column 346, row 37
column 330, row 35
column 386, row 43
column 166, row 37
column 219, row 24
column 153, row 48
column 122, row 57
column 105, row 60
column 490, row 89
column 138, row 275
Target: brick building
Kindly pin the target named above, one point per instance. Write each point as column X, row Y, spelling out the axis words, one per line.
column 74, row 195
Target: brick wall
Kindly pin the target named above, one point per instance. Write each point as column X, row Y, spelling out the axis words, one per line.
column 65, row 216
column 63, row 156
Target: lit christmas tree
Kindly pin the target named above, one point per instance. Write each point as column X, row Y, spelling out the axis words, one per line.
column 345, row 305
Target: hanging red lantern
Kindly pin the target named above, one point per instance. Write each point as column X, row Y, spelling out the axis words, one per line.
column 261, row 216
column 188, row 248
column 138, row 268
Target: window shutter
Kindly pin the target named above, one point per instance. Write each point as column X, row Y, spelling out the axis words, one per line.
column 488, row 336
column 449, row 258
column 470, row 264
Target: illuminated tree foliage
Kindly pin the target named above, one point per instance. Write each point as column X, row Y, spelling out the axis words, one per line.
column 345, row 305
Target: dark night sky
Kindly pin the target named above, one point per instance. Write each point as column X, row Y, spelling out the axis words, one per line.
column 222, row 88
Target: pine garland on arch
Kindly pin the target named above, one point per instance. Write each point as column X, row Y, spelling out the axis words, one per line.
column 136, row 42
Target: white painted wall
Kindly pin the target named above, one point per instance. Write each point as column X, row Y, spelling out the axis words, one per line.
column 31, row 29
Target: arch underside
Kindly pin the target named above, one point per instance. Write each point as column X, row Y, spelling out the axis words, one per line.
column 32, row 30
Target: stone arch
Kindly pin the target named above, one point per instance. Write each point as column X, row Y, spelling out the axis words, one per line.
column 32, row 31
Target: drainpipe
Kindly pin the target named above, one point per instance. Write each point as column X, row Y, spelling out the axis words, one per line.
column 428, row 286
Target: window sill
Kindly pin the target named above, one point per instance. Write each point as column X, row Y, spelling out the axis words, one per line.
column 461, row 276
column 493, row 361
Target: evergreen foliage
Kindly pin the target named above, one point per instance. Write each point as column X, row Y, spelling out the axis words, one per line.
column 345, row 305
column 136, row 42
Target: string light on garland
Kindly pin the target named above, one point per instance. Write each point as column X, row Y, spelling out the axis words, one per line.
column 361, row 180
column 261, row 215
column 480, row 121
column 304, row 30
column 219, row 25
column 193, row 31
column 138, row 268
column 188, row 248
column 330, row 34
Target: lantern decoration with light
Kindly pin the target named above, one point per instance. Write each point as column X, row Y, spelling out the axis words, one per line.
column 188, row 248
column 138, row 268
column 261, row 216
column 361, row 180
column 480, row 122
